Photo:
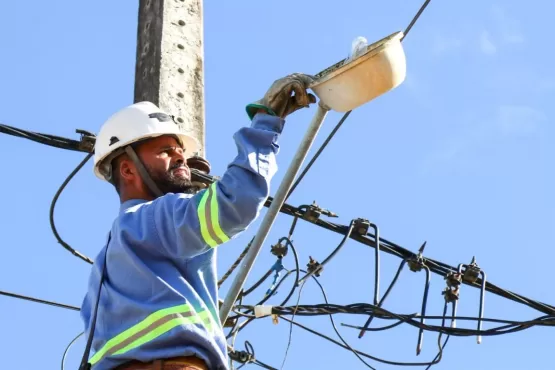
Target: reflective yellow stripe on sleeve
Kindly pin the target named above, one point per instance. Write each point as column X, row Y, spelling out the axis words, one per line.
column 153, row 326
column 209, row 219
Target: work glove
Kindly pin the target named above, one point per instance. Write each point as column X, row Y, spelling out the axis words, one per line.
column 278, row 100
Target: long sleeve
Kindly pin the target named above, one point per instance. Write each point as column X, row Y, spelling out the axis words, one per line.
column 187, row 226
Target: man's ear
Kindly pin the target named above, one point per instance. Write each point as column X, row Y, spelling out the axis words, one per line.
column 127, row 170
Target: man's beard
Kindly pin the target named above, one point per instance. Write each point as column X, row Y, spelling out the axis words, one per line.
column 167, row 182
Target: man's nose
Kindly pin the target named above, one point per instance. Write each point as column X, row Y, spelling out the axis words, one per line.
column 179, row 157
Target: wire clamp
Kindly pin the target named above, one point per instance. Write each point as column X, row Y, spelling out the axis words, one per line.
column 361, row 226
column 471, row 272
column 314, row 267
column 313, row 212
column 451, row 292
column 279, row 250
column 87, row 140
column 416, row 263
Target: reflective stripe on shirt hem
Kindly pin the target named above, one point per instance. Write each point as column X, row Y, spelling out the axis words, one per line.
column 208, row 215
column 153, row 326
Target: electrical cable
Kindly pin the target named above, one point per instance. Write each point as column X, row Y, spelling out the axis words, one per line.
column 235, row 264
column 247, row 356
column 291, row 326
column 346, row 115
column 239, row 327
column 381, row 302
column 346, row 346
column 45, row 139
column 332, row 254
column 434, row 266
column 439, row 355
column 415, row 18
column 335, row 328
column 297, row 271
column 258, row 283
column 297, row 268
column 437, row 267
column 68, row 347
column 42, row 301
column 53, row 205
column 317, row 154
column 365, row 308
column 86, row 144
column 271, row 293
column 436, row 360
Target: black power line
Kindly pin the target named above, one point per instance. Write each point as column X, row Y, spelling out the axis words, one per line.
column 86, row 145
column 37, row 300
column 53, row 205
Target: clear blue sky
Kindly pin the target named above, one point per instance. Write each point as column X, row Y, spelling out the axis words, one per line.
column 459, row 155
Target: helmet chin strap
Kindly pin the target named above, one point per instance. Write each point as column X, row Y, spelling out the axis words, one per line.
column 142, row 171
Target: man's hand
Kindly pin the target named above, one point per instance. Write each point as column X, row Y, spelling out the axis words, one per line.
column 278, row 99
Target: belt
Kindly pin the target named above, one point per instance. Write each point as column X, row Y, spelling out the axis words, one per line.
column 174, row 363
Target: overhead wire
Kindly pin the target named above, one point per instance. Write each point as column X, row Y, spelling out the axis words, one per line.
column 511, row 327
column 390, row 247
column 68, row 347
column 348, row 113
column 317, row 154
column 86, row 145
column 50, row 140
column 297, row 270
column 247, row 357
column 366, row 308
column 337, row 330
column 290, row 339
column 346, row 346
column 235, row 264
column 41, row 301
column 53, row 205
column 415, row 19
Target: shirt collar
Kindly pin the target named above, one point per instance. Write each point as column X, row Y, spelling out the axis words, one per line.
column 130, row 203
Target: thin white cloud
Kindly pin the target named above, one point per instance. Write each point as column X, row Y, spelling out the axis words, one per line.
column 419, row 89
column 507, row 27
column 462, row 150
column 503, row 30
column 486, row 44
column 442, row 45
column 452, row 153
column 519, row 119
column 518, row 82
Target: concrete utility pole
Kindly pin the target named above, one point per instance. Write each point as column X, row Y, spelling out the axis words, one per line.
column 169, row 70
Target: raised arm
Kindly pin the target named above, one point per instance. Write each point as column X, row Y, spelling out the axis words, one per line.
column 188, row 226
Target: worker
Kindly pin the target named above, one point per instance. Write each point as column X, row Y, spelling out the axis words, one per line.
column 156, row 277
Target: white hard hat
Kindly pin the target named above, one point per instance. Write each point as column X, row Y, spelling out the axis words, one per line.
column 133, row 123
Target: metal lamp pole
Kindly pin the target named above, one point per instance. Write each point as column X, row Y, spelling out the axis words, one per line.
column 273, row 210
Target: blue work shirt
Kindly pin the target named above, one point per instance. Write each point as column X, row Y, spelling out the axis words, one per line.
column 159, row 298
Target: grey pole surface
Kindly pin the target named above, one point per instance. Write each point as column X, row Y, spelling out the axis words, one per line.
column 273, row 210
column 169, row 70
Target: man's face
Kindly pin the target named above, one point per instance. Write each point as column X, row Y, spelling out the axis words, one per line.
column 164, row 160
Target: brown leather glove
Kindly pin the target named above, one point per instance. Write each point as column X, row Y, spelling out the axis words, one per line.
column 278, row 100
